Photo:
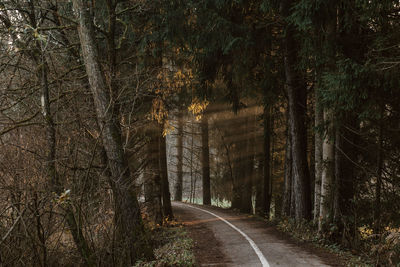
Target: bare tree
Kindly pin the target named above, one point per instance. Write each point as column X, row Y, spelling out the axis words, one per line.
column 130, row 228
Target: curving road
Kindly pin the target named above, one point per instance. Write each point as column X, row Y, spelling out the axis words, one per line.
column 236, row 240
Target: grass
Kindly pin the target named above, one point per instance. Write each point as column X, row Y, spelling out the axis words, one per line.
column 173, row 247
column 214, row 202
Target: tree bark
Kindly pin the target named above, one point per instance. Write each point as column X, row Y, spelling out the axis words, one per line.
column 319, row 117
column 152, row 179
column 340, row 173
column 345, row 156
column 192, row 180
column 267, row 160
column 328, row 146
column 237, row 177
column 260, row 186
column 205, row 160
column 248, row 170
column 288, row 204
column 166, row 196
column 379, row 170
column 239, row 162
column 130, row 228
column 179, row 166
column 297, row 94
column 328, row 171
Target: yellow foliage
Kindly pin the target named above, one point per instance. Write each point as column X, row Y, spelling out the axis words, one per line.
column 63, row 197
column 167, row 128
column 392, row 230
column 365, row 232
column 197, row 107
column 167, row 84
column 158, row 111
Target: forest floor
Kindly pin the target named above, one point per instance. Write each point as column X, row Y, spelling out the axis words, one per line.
column 225, row 238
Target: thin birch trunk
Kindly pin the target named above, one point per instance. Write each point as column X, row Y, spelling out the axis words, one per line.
column 328, row 171
column 319, row 117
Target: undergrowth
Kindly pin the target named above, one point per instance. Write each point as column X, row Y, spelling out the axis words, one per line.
column 372, row 249
column 172, row 246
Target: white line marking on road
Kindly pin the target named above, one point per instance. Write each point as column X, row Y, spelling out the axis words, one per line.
column 263, row 260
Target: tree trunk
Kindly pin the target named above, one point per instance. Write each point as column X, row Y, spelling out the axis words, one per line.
column 166, row 196
column 345, row 156
column 267, row 160
column 328, row 146
column 328, row 171
column 205, row 161
column 319, row 117
column 179, row 166
column 379, row 169
column 297, row 94
column 311, row 166
column 278, row 197
column 130, row 228
column 339, row 173
column 248, row 170
column 239, row 163
column 259, row 186
column 237, row 181
column 152, row 179
column 287, row 193
column 192, row 181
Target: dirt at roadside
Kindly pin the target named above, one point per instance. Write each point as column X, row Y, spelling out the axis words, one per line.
column 206, row 247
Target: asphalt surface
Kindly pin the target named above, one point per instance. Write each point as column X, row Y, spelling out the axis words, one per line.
column 227, row 239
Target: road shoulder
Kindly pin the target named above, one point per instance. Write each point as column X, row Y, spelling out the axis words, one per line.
column 206, row 246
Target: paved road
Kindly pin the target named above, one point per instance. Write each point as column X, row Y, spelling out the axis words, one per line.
column 243, row 242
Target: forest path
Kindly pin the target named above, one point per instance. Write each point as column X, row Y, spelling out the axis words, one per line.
column 224, row 238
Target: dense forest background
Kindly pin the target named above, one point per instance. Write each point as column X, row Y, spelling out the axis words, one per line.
column 108, row 109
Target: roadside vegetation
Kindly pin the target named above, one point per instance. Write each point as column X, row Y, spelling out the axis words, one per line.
column 172, row 247
column 306, row 232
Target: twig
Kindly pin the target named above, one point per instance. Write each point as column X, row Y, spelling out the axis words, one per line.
column 12, row 227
